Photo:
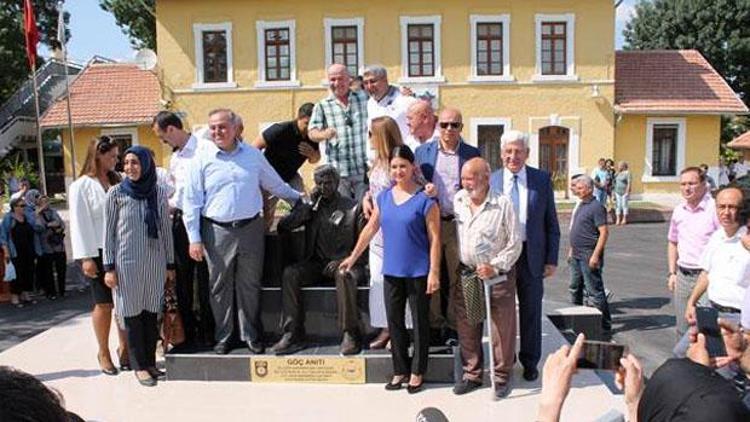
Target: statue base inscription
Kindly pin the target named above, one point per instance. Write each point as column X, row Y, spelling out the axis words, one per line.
column 310, row 369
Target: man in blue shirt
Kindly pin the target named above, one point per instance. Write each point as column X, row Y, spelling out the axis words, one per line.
column 222, row 206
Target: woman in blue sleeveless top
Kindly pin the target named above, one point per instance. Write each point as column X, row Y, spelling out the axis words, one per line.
column 410, row 224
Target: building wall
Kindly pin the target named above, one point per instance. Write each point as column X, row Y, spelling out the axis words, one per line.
column 527, row 104
column 83, row 136
column 702, row 146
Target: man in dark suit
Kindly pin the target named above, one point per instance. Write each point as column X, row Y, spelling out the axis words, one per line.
column 441, row 164
column 530, row 190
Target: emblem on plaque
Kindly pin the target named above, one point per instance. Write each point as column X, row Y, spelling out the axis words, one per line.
column 261, row 368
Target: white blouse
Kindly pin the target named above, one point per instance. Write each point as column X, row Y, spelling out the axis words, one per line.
column 86, row 200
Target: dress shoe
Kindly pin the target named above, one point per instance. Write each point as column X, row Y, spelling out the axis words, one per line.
column 530, row 374
column 256, row 347
column 221, row 348
column 350, row 344
column 466, row 386
column 413, row 389
column 106, row 370
column 157, row 373
column 502, row 390
column 287, row 345
column 393, row 386
column 381, row 340
column 147, row 381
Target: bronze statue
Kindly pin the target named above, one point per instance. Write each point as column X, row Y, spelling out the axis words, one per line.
column 332, row 223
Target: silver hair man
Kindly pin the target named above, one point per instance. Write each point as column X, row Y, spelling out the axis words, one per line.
column 513, row 136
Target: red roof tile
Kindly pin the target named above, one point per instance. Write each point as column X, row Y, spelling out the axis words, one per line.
column 682, row 81
column 741, row 142
column 108, row 94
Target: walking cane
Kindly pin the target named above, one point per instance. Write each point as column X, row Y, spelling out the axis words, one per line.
column 488, row 324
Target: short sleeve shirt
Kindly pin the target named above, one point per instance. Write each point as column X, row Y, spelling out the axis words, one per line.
column 347, row 151
column 282, row 148
column 690, row 228
column 584, row 232
column 727, row 263
column 406, row 246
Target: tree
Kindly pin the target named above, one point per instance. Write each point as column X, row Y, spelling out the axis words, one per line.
column 14, row 67
column 136, row 18
column 719, row 29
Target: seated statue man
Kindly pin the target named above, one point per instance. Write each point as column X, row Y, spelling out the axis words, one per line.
column 332, row 224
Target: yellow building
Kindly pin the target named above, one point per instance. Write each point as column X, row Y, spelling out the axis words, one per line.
column 113, row 99
column 545, row 67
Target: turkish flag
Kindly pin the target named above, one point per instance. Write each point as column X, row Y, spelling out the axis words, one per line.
column 31, row 33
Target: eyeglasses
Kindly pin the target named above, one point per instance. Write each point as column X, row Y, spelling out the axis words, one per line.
column 348, row 119
column 454, row 125
column 19, row 206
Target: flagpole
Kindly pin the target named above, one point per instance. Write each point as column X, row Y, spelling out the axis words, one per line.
column 39, row 146
column 61, row 40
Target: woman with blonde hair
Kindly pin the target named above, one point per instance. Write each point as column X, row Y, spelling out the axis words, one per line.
column 87, row 199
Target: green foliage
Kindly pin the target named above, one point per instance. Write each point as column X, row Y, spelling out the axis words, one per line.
column 13, row 165
column 14, row 67
column 136, row 18
column 719, row 29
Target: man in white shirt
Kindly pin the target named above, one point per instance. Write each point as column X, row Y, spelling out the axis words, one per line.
column 422, row 122
column 385, row 99
column 725, row 263
column 199, row 326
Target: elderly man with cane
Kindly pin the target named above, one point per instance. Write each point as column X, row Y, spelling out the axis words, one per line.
column 489, row 244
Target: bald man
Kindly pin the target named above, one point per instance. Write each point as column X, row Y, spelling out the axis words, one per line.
column 489, row 242
column 340, row 120
column 441, row 164
column 420, row 117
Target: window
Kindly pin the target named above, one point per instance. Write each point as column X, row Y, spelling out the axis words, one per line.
column 420, row 49
column 665, row 149
column 490, row 48
column 213, row 55
column 555, row 52
column 276, row 54
column 485, row 135
column 344, row 43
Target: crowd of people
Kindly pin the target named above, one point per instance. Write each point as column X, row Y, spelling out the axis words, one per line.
column 442, row 230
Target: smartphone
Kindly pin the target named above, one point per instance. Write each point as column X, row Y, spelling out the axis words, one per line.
column 709, row 327
column 601, row 355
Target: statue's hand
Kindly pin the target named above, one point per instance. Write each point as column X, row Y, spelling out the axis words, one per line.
column 331, row 268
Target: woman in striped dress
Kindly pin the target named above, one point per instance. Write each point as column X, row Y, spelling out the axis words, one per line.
column 138, row 257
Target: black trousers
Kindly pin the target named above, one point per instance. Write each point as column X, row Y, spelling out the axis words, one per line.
column 51, row 269
column 199, row 324
column 24, row 281
column 397, row 290
column 142, row 332
column 530, row 291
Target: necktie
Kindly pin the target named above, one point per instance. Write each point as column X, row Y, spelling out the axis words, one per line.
column 514, row 196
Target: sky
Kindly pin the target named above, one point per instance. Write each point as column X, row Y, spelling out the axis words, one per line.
column 94, row 31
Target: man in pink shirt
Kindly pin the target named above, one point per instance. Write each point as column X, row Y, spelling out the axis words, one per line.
column 692, row 224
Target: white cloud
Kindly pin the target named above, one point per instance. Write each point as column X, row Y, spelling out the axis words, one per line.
column 624, row 13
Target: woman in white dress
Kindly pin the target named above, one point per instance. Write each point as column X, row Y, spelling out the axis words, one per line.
column 139, row 257
column 86, row 197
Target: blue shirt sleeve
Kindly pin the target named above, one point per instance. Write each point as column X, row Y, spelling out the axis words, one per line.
column 428, row 203
column 193, row 199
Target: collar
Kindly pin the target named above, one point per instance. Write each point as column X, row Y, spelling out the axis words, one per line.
column 508, row 175
column 388, row 98
column 737, row 235
column 240, row 147
column 491, row 200
column 190, row 146
column 702, row 205
column 458, row 146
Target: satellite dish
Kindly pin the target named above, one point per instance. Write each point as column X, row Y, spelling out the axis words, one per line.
column 146, row 59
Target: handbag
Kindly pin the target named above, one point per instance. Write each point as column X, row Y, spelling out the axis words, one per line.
column 172, row 329
column 473, row 288
column 10, row 272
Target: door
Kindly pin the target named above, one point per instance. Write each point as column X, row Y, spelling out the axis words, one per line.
column 553, row 152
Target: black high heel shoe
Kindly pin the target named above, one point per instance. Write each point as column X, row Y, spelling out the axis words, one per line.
column 124, row 362
column 106, row 371
column 393, row 386
column 413, row 389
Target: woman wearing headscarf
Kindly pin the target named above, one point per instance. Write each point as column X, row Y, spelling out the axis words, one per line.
column 19, row 238
column 138, row 257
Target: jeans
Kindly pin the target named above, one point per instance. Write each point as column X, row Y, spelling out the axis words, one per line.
column 601, row 196
column 621, row 204
column 588, row 281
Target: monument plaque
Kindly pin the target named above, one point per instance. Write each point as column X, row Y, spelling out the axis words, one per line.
column 308, row 369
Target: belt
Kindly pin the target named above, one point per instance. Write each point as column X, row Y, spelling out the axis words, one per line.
column 233, row 224
column 447, row 217
column 725, row 309
column 689, row 271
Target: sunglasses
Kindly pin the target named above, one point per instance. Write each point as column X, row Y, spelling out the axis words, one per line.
column 454, row 125
column 104, row 144
column 348, row 119
column 19, row 206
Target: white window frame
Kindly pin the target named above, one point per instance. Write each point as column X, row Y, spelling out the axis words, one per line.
column 329, row 23
column 570, row 34
column 475, row 122
column 681, row 142
column 260, row 27
column 115, row 131
column 405, row 21
column 198, row 30
column 505, row 21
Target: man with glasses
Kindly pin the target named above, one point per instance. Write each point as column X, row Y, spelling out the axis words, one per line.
column 441, row 164
column 340, row 120
column 386, row 99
